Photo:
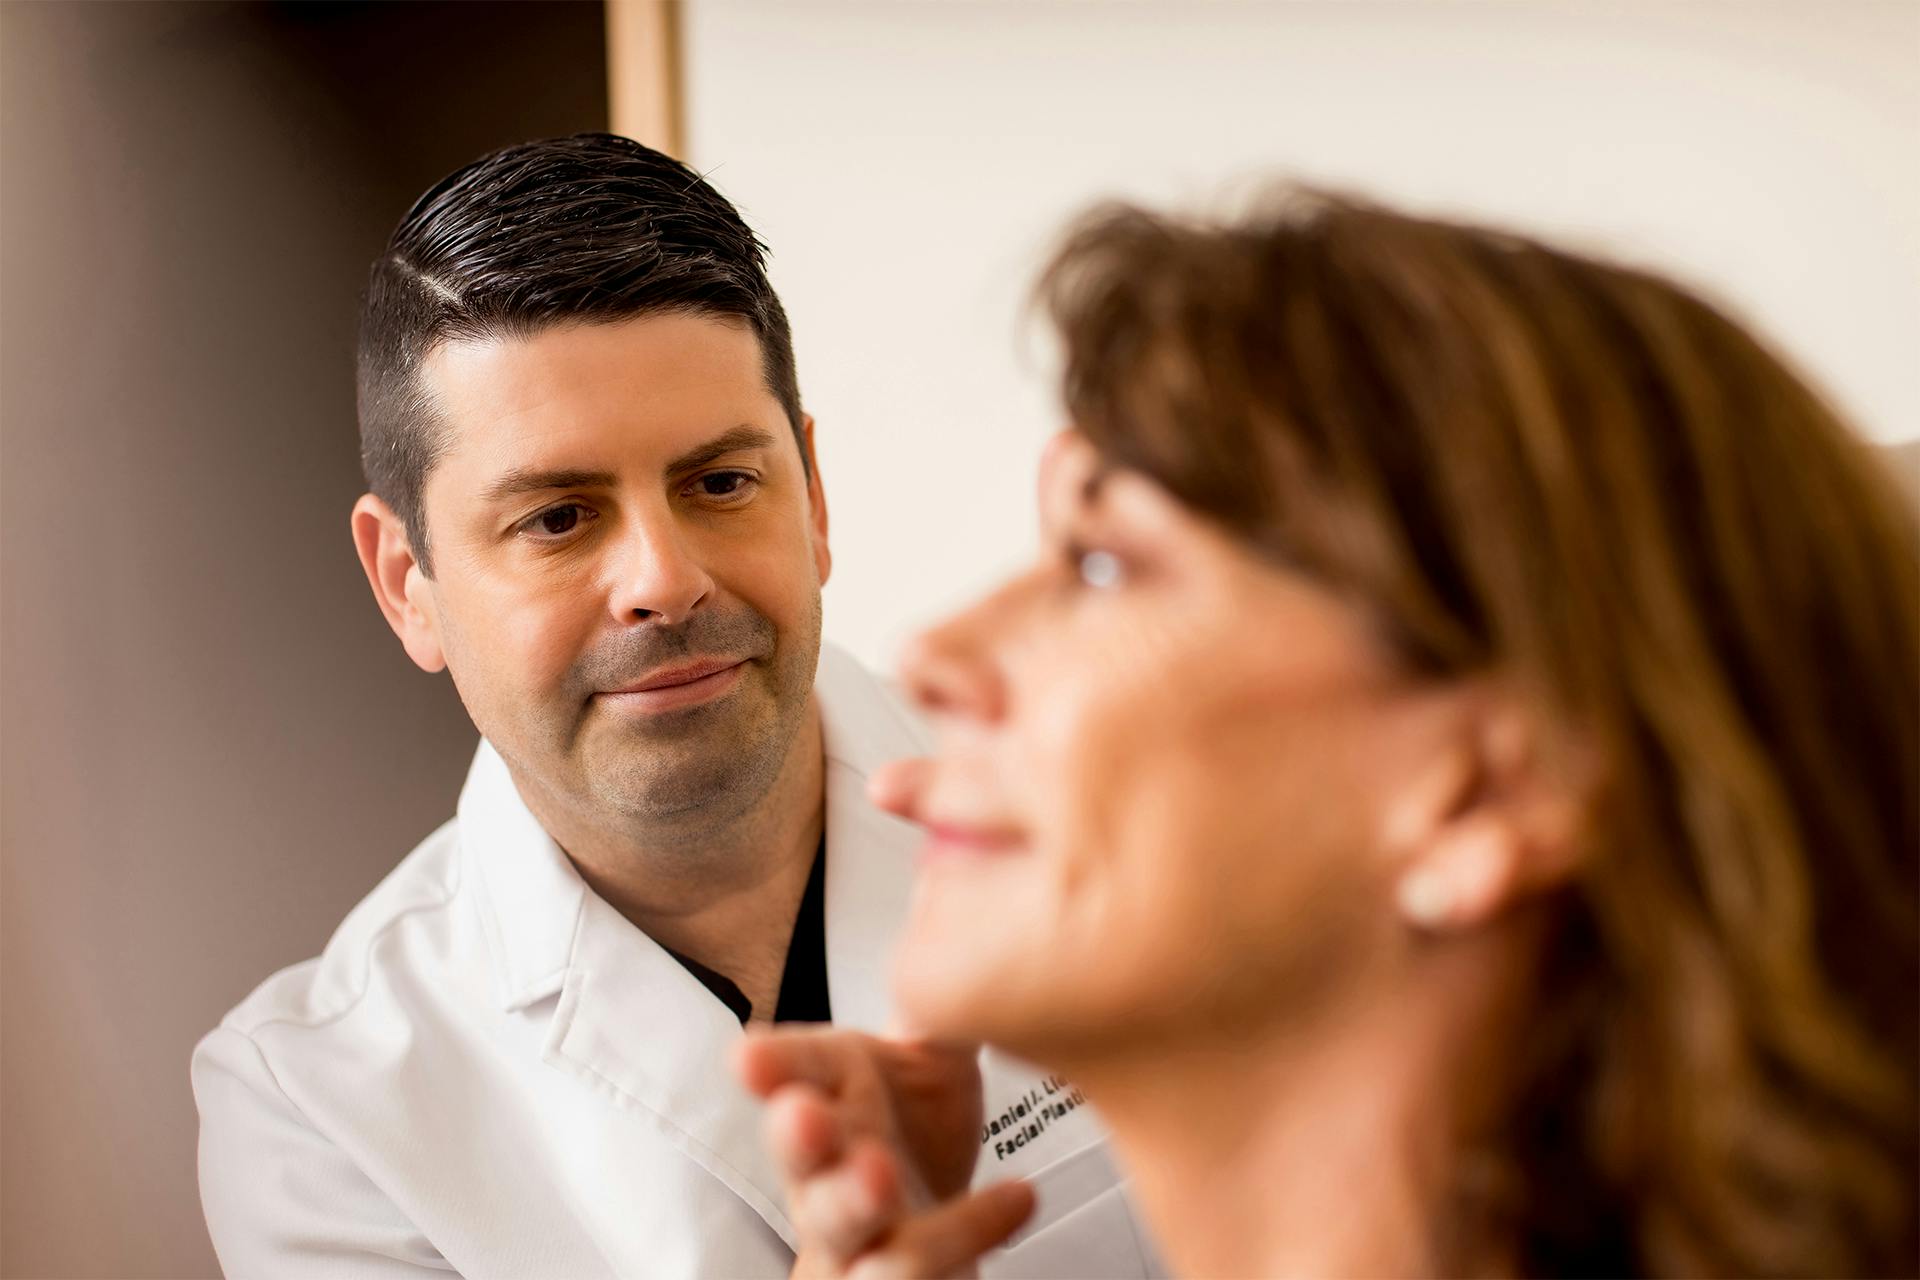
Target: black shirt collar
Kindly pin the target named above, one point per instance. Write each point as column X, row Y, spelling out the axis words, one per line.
column 803, row 985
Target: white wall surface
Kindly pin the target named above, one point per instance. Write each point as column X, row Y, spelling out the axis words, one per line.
column 910, row 164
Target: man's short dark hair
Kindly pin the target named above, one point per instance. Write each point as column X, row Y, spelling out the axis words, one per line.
column 593, row 227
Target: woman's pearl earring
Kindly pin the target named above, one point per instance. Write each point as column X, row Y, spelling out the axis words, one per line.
column 1426, row 897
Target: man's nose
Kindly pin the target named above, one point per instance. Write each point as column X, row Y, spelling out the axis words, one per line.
column 951, row 669
column 659, row 576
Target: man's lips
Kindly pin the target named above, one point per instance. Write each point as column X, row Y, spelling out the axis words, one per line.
column 685, row 673
column 683, row 685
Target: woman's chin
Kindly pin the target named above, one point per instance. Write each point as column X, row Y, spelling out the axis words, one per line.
column 935, row 991
column 949, row 988
column 982, row 957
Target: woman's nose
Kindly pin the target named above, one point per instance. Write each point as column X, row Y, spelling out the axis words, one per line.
column 660, row 579
column 951, row 670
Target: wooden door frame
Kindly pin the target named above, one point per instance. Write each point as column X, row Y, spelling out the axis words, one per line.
column 645, row 81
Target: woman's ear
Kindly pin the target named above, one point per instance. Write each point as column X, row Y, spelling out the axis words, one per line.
column 1493, row 822
column 400, row 587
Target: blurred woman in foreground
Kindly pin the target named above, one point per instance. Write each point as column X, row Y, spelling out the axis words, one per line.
column 1447, row 792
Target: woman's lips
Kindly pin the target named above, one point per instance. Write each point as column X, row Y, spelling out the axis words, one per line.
column 905, row 788
column 956, row 840
column 671, row 690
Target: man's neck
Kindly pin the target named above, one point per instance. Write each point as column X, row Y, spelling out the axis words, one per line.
column 723, row 893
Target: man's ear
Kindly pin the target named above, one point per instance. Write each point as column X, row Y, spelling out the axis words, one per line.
column 1493, row 823
column 403, row 592
column 816, row 501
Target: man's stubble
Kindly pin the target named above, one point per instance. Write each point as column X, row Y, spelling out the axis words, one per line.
column 699, row 771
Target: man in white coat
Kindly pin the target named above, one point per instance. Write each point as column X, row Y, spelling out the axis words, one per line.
column 594, row 502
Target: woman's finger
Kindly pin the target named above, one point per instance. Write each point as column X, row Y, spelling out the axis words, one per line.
column 849, row 1205
column 819, row 1056
column 946, row 1241
column 803, row 1132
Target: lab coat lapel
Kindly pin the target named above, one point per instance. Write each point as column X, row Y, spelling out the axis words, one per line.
column 870, row 854
column 630, row 1021
column 638, row 1028
column 869, row 882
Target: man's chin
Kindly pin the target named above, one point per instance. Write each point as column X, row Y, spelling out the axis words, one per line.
column 618, row 725
column 658, row 773
column 696, row 761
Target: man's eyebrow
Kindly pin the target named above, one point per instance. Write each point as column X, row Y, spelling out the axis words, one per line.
column 742, row 437
column 538, row 479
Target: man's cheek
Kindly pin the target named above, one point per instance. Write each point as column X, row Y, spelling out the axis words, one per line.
column 784, row 596
column 543, row 643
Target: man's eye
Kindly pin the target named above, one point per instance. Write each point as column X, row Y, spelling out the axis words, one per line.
column 724, row 484
column 556, row 522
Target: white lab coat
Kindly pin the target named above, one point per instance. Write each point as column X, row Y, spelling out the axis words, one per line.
column 490, row 1071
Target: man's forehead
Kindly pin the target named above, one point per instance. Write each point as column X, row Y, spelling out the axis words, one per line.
column 585, row 395
column 638, row 358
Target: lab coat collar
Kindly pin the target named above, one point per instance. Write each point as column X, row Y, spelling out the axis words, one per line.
column 528, row 894
column 631, row 1023
column 870, row 854
column 637, row 1028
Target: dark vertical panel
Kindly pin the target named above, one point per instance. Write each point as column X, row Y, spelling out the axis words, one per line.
column 210, row 744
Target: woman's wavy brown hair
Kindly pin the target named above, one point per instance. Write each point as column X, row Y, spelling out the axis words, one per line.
column 1586, row 482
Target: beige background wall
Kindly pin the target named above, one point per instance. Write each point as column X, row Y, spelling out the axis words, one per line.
column 210, row 745
column 910, row 164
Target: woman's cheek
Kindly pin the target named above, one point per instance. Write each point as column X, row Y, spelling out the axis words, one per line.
column 1070, row 774
column 1090, row 769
